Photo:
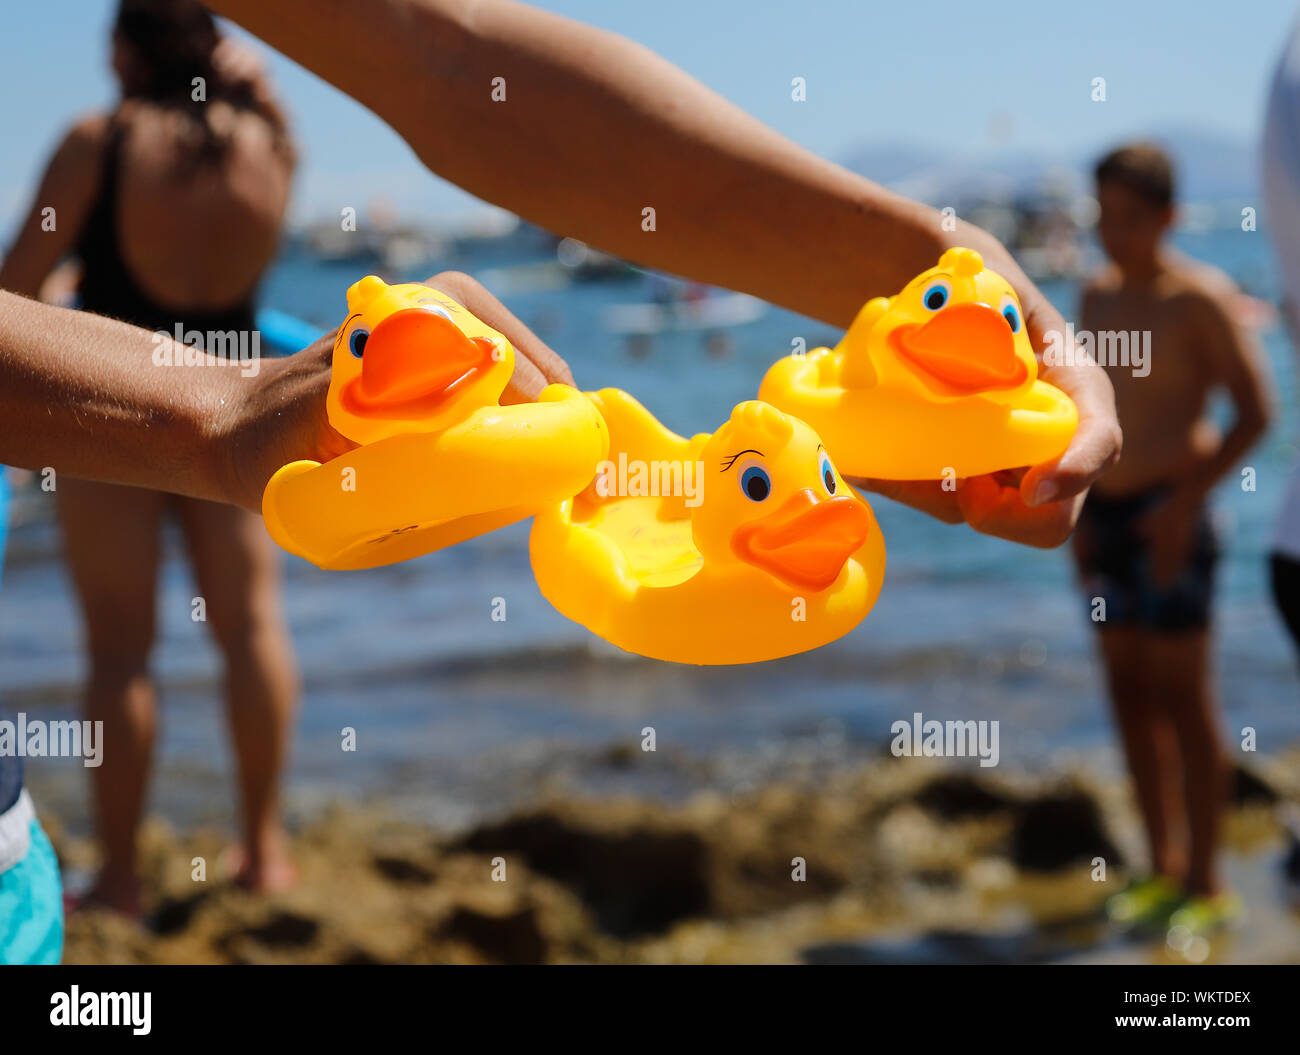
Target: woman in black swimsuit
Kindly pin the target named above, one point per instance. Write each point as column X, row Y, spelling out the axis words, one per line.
column 173, row 205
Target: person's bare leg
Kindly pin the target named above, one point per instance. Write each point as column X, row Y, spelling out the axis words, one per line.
column 1150, row 745
column 238, row 573
column 1182, row 661
column 111, row 543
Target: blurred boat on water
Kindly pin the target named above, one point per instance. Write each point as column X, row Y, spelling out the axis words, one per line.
column 681, row 307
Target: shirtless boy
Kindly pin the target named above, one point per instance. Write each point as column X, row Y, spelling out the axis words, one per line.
column 1145, row 545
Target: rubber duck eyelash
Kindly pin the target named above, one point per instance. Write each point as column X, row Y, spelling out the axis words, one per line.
column 732, row 459
column 343, row 330
column 434, row 305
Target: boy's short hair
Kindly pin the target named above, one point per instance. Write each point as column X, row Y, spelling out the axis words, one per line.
column 1143, row 168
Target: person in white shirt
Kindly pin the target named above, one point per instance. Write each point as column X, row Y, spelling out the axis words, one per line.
column 1281, row 177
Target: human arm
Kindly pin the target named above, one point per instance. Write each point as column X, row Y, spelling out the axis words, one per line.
column 87, row 397
column 94, row 398
column 1236, row 363
column 1233, row 361
column 594, row 129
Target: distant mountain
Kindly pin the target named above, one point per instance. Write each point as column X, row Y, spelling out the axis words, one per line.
column 891, row 163
column 1212, row 167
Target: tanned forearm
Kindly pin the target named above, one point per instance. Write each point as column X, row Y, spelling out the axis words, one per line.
column 95, row 398
column 81, row 395
column 595, row 128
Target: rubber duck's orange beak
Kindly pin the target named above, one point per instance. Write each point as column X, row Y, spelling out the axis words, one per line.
column 413, row 354
column 969, row 347
column 806, row 540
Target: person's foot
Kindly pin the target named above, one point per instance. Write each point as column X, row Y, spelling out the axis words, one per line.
column 1199, row 918
column 1145, row 902
column 269, row 872
column 116, row 893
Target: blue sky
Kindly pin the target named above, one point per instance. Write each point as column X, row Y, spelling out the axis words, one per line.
column 938, row 73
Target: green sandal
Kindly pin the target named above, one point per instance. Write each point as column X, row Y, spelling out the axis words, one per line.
column 1205, row 915
column 1146, row 902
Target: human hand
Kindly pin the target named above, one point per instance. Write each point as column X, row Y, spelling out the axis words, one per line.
column 536, row 365
column 278, row 416
column 275, row 417
column 1038, row 505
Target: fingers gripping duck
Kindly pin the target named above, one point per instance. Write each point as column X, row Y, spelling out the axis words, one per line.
column 416, row 381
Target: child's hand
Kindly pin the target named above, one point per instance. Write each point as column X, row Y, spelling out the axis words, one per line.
column 279, row 415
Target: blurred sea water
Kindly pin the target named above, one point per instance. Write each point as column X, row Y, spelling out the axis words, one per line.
column 457, row 715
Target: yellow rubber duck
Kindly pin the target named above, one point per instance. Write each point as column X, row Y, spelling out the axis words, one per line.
column 939, row 380
column 416, row 380
column 737, row 547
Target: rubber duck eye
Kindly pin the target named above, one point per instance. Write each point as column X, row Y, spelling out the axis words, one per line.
column 357, row 341
column 828, row 474
column 756, row 484
column 1012, row 314
column 936, row 295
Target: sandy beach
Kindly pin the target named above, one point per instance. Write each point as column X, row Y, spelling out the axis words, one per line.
column 904, row 861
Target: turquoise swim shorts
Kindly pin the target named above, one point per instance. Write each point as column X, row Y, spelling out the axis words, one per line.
column 31, row 905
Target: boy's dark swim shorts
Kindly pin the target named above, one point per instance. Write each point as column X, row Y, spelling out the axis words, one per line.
column 1115, row 564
